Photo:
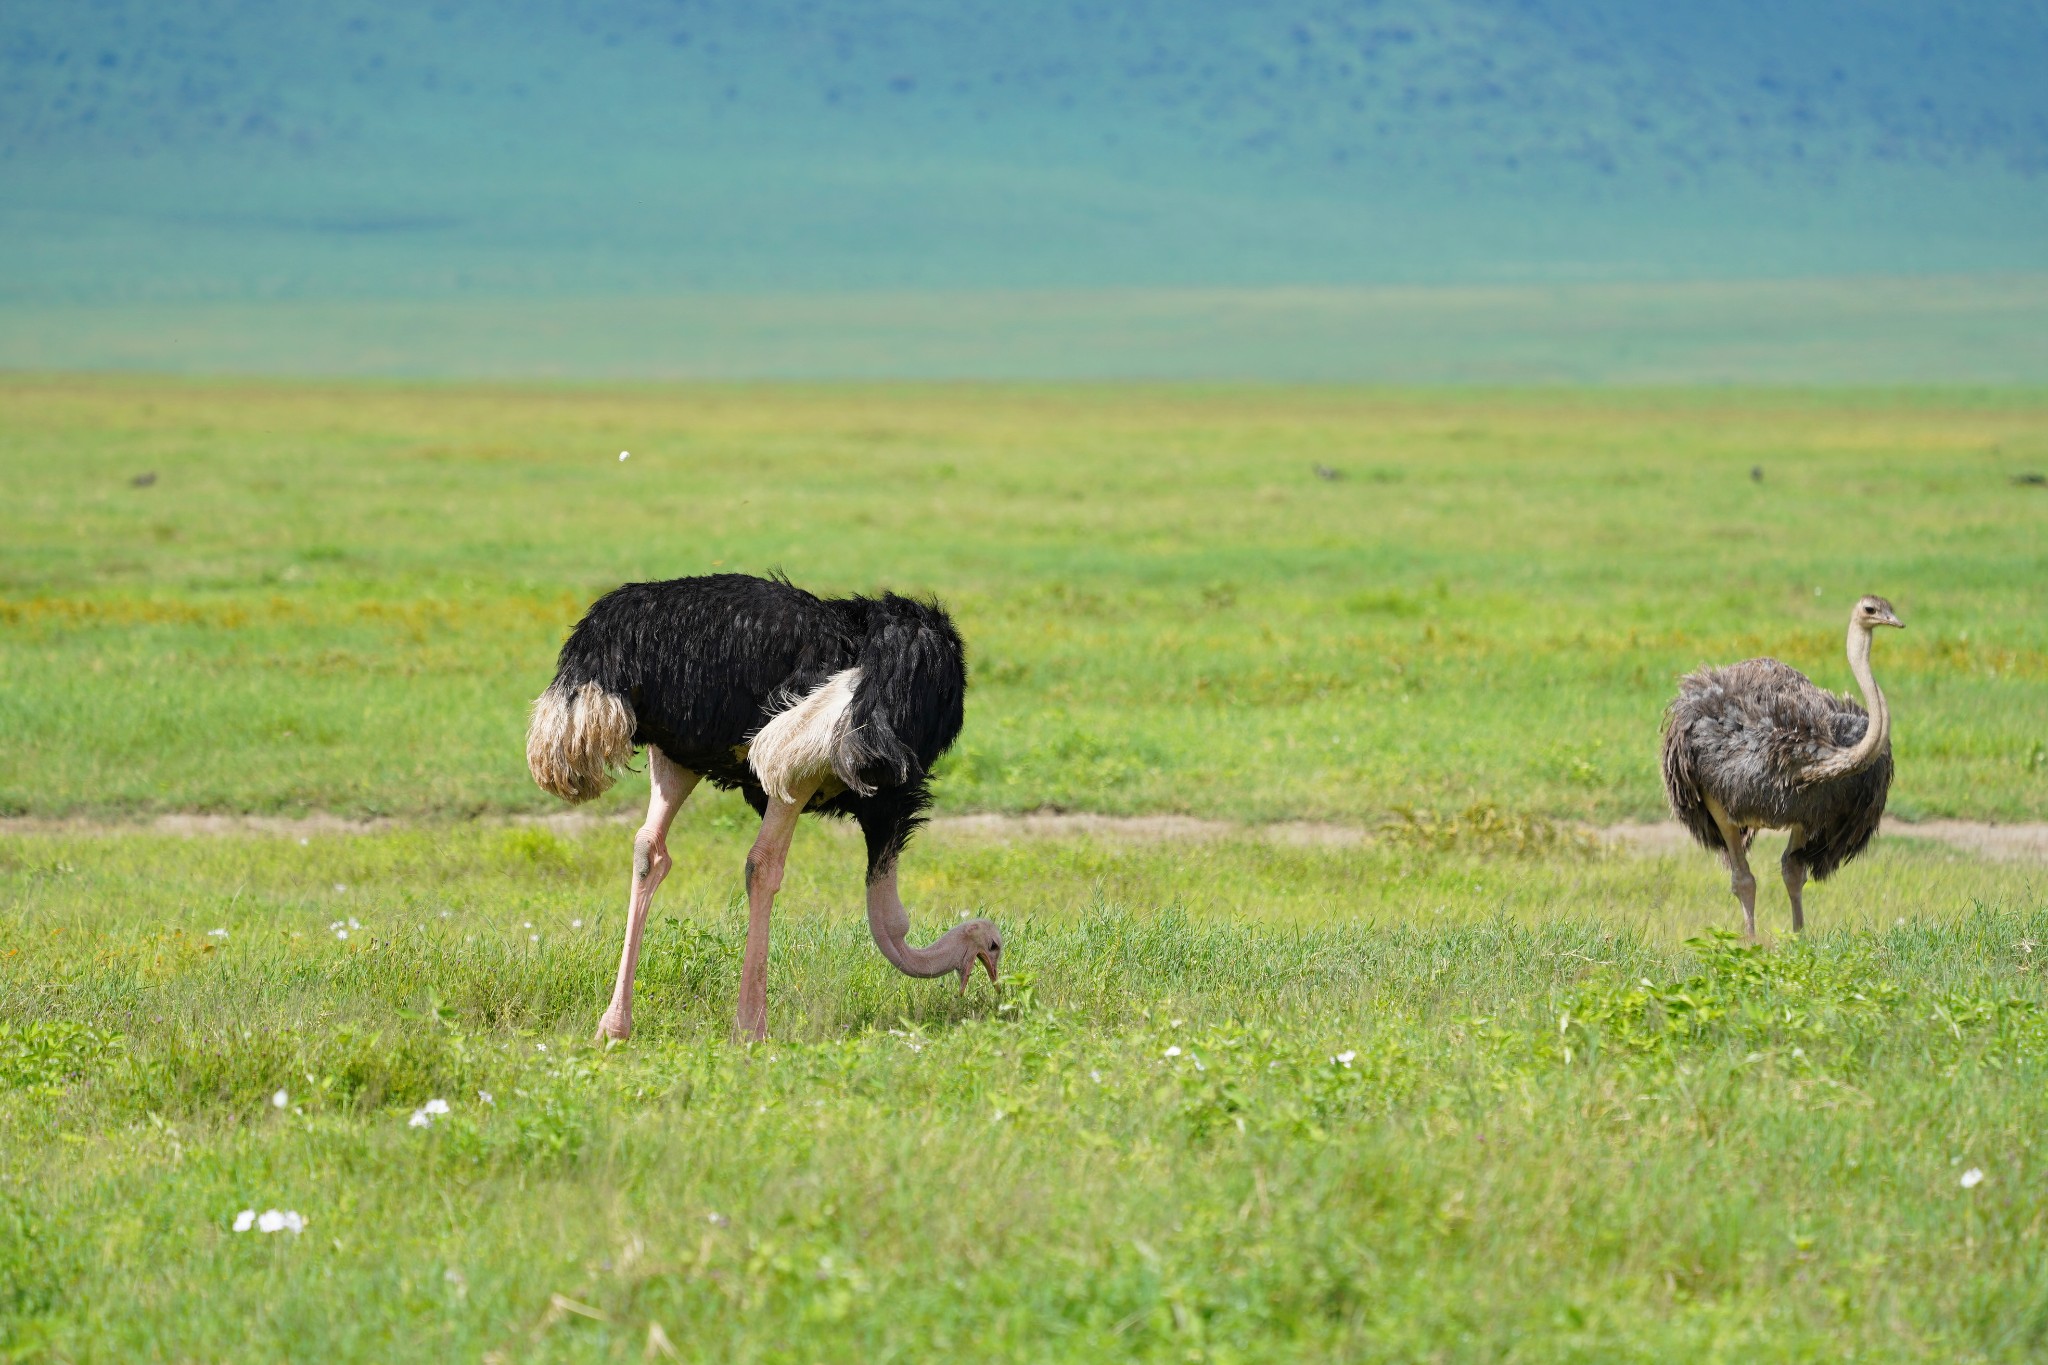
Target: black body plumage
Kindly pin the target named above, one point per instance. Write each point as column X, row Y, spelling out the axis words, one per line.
column 705, row 662
column 1745, row 733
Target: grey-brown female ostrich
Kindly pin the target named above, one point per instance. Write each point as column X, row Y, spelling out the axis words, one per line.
column 836, row 706
column 1756, row 745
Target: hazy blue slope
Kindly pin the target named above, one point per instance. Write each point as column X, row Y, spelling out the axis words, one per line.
column 181, row 147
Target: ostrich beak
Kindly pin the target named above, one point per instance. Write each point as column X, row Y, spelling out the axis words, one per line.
column 1889, row 619
column 990, row 964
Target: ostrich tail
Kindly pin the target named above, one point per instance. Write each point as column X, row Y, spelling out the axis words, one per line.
column 1682, row 787
column 577, row 736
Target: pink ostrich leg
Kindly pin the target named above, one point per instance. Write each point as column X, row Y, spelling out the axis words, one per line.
column 765, row 862
column 671, row 786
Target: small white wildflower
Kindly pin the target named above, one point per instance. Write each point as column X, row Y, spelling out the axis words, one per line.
column 216, row 933
column 419, row 1119
column 527, row 925
column 245, row 1220
column 434, row 1107
column 274, row 1220
column 1344, row 1058
column 1173, row 1052
column 304, row 843
column 354, row 923
column 575, row 924
column 1798, row 1052
column 1972, row 1178
column 1095, row 1076
column 717, row 1220
column 540, row 1047
column 341, row 886
column 280, row 1100
column 337, row 924
column 1176, row 1023
column 341, row 934
column 533, row 938
column 484, row 1097
column 444, row 914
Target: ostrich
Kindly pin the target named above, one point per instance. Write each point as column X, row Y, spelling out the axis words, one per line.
column 839, row 706
column 1756, row 745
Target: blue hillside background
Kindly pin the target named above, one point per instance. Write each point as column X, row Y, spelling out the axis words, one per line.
column 1410, row 189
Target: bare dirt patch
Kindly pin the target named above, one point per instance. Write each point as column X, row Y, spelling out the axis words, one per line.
column 1999, row 843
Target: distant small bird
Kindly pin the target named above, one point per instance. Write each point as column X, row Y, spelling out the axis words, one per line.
column 1327, row 474
column 834, row 705
column 1756, row 473
column 1756, row 745
column 625, row 455
column 143, row 480
column 2035, row 480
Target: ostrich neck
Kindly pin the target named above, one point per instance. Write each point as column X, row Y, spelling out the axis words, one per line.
column 889, row 922
column 1865, row 751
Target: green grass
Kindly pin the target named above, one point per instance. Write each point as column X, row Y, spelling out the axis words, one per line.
column 1561, row 1131
column 1569, row 1122
column 343, row 597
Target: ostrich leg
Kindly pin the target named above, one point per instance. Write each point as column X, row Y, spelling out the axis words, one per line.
column 670, row 786
column 1740, row 880
column 1794, row 869
column 764, row 878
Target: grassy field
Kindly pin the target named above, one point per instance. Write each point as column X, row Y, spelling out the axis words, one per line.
column 1471, row 1090
column 343, row 597
column 1239, row 1102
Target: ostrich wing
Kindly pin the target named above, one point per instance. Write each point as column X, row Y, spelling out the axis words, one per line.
column 1760, row 723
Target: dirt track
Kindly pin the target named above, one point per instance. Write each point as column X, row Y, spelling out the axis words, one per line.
column 2003, row 843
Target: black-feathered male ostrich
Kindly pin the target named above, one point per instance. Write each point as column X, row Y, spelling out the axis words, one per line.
column 1756, row 745
column 839, row 706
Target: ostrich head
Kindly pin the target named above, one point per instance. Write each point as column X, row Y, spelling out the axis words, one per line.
column 1873, row 612
column 977, row 940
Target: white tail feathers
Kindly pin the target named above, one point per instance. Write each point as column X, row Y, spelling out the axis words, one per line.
column 576, row 738
column 811, row 740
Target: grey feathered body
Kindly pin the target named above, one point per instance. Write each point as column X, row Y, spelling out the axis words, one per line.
column 1743, row 734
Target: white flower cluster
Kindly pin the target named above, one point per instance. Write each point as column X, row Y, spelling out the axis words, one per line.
column 425, row 1115
column 270, row 1220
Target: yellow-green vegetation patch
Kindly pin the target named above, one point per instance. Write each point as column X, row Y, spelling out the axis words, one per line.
column 1257, row 603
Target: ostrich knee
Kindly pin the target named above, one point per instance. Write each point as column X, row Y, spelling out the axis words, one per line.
column 651, row 860
column 1743, row 883
column 765, row 867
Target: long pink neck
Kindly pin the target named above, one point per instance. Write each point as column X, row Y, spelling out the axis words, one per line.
column 889, row 922
column 1865, row 751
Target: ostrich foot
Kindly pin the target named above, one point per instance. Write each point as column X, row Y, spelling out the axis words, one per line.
column 616, row 1026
